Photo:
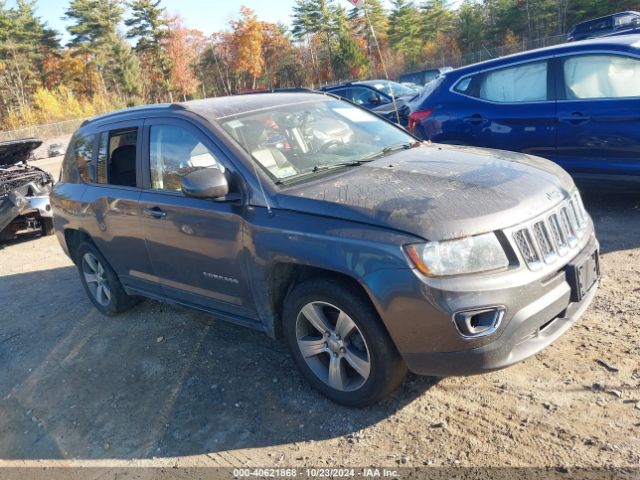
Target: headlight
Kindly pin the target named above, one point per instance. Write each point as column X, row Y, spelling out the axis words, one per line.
column 453, row 257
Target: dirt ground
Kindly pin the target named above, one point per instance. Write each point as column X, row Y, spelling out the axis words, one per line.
column 165, row 386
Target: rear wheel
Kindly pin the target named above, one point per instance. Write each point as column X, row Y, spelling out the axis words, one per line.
column 47, row 226
column 101, row 283
column 339, row 344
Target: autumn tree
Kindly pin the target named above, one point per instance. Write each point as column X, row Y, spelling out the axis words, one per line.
column 182, row 54
column 248, row 38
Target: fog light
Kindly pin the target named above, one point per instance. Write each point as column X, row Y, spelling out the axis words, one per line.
column 479, row 322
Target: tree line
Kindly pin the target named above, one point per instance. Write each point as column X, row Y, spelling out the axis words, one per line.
column 123, row 53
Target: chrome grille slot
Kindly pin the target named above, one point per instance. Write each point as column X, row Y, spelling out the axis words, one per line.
column 525, row 244
column 544, row 241
column 558, row 237
column 579, row 209
column 553, row 235
column 565, row 224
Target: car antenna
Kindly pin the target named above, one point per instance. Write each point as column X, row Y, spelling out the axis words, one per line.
column 384, row 66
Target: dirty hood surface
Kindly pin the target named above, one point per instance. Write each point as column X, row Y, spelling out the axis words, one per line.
column 435, row 191
column 17, row 151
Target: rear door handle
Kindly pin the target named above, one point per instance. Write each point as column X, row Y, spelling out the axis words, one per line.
column 475, row 119
column 576, row 118
column 155, row 212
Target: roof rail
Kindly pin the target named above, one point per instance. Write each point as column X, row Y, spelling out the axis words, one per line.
column 279, row 90
column 156, row 106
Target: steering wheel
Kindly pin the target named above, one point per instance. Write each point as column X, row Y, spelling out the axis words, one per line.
column 329, row 145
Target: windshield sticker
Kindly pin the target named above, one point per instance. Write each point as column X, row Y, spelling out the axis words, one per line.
column 234, row 124
column 355, row 115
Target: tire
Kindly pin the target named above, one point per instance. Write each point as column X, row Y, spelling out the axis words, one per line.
column 355, row 364
column 47, row 226
column 101, row 283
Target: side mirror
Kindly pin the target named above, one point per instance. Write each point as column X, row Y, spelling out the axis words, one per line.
column 205, row 183
column 375, row 99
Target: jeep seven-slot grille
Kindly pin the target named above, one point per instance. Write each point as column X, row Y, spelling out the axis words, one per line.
column 552, row 235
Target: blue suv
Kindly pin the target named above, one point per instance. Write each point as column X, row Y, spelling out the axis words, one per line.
column 577, row 104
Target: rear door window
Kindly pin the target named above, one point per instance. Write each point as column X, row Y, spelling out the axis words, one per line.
column 116, row 160
column 601, row 76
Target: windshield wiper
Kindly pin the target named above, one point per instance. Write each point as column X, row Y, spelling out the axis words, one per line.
column 351, row 163
column 393, row 148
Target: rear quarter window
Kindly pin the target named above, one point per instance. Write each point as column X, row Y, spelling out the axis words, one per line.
column 518, row 84
column 78, row 160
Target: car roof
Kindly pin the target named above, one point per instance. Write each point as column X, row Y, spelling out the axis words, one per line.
column 623, row 43
column 216, row 108
column 607, row 16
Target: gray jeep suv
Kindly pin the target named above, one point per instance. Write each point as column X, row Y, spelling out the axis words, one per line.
column 302, row 215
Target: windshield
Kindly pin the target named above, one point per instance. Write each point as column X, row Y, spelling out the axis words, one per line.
column 393, row 88
column 295, row 140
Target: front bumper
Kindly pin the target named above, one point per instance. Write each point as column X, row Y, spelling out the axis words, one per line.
column 530, row 331
column 419, row 313
column 42, row 205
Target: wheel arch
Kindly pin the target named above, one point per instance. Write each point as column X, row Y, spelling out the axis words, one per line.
column 284, row 276
column 73, row 238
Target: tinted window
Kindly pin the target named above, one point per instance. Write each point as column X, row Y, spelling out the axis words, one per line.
column 624, row 20
column 81, row 154
column 601, row 76
column 523, row 83
column 602, row 24
column 342, row 92
column 174, row 152
column 367, row 96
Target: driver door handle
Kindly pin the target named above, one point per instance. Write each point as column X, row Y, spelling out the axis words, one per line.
column 155, row 212
column 576, row 118
column 475, row 119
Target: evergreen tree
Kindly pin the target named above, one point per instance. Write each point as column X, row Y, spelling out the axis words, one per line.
column 148, row 26
column 126, row 70
column 437, row 18
column 25, row 41
column 405, row 31
column 350, row 61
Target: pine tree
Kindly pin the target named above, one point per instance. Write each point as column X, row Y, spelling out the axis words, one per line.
column 25, row 42
column 437, row 18
column 405, row 31
column 126, row 70
column 94, row 33
column 350, row 61
column 315, row 17
column 148, row 26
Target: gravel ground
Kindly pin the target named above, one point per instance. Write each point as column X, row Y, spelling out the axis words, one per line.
column 165, row 386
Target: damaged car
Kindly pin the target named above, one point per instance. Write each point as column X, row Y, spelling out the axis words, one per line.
column 369, row 251
column 24, row 191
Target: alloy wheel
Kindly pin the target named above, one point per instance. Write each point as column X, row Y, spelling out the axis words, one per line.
column 333, row 346
column 96, row 279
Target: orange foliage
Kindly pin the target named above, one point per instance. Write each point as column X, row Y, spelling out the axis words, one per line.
column 182, row 51
column 247, row 39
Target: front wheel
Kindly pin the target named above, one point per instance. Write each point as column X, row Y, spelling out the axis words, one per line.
column 339, row 344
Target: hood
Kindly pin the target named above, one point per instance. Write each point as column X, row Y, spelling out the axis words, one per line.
column 436, row 192
column 17, row 151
